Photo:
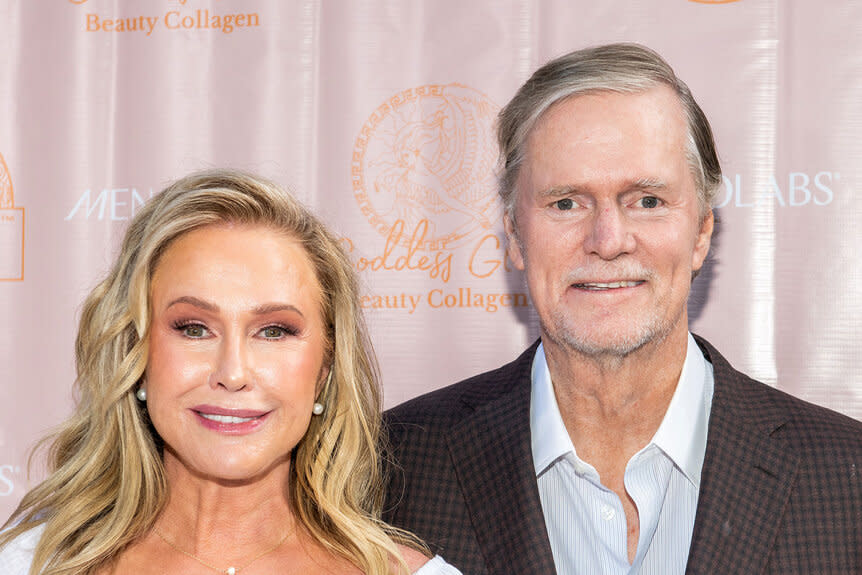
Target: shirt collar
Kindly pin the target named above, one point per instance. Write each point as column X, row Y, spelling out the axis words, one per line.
column 681, row 434
column 549, row 438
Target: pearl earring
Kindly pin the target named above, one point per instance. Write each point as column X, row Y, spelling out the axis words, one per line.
column 141, row 394
column 317, row 408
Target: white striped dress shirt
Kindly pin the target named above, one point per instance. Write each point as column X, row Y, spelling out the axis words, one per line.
column 585, row 520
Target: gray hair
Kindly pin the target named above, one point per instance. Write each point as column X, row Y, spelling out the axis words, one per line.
column 622, row 68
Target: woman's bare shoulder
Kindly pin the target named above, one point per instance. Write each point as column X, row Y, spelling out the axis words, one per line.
column 414, row 558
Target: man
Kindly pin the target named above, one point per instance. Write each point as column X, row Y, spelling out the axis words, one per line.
column 620, row 443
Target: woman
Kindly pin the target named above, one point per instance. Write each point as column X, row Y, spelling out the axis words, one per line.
column 229, row 409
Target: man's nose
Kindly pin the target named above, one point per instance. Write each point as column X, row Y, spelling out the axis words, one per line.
column 232, row 365
column 609, row 235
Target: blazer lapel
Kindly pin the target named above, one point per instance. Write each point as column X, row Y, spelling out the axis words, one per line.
column 493, row 459
column 746, row 480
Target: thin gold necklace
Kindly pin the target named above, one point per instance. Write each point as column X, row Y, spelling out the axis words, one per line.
column 230, row 570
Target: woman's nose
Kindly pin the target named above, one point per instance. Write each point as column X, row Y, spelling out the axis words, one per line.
column 231, row 370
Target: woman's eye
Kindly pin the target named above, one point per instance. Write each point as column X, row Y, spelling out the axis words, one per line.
column 194, row 330
column 649, row 202
column 564, row 204
column 274, row 332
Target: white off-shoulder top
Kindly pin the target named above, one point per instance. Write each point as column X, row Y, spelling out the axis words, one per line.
column 16, row 557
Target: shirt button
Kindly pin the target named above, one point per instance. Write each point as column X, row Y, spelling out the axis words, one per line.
column 608, row 512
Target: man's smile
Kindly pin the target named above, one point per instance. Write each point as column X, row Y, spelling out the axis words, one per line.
column 601, row 286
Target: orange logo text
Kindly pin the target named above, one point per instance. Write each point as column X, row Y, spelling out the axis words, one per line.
column 173, row 20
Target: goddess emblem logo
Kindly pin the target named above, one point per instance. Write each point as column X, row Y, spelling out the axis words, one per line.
column 11, row 230
column 423, row 167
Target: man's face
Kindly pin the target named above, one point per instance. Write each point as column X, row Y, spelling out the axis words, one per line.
column 607, row 224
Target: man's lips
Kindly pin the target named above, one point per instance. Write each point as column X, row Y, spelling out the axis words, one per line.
column 607, row 285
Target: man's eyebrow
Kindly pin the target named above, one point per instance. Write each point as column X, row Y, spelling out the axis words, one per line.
column 558, row 191
column 648, row 184
column 569, row 189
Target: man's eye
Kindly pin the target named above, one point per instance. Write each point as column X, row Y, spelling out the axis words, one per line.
column 649, row 202
column 565, row 204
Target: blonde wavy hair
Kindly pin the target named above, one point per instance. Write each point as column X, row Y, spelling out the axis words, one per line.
column 107, row 483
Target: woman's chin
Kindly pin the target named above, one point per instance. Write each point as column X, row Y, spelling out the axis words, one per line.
column 227, row 470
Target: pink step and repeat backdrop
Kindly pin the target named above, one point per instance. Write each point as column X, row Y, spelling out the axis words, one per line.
column 379, row 114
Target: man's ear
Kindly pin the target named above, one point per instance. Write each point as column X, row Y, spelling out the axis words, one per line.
column 513, row 243
column 703, row 241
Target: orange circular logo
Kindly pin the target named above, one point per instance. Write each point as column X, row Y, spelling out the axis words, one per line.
column 6, row 198
column 425, row 160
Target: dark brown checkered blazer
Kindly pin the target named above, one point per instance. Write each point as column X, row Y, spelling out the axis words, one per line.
column 781, row 488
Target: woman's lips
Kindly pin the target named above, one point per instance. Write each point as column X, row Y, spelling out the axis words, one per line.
column 230, row 421
column 225, row 418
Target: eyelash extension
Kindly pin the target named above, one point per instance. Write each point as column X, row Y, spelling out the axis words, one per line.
column 288, row 329
column 184, row 323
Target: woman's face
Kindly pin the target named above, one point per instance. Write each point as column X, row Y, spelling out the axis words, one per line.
column 236, row 350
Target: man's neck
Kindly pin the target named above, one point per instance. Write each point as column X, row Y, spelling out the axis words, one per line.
column 612, row 406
